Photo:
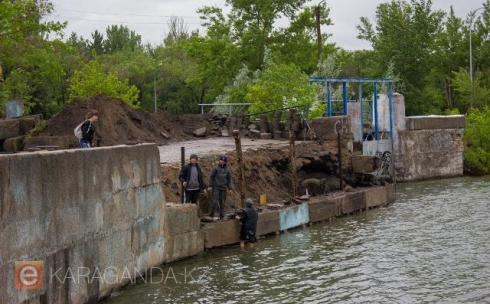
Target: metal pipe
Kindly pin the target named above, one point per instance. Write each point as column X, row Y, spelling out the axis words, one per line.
column 241, row 170
column 182, row 164
column 329, row 98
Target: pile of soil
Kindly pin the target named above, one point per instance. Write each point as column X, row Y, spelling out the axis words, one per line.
column 121, row 124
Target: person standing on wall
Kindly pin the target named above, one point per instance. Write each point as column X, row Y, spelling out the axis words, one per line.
column 86, row 130
column 220, row 184
column 192, row 179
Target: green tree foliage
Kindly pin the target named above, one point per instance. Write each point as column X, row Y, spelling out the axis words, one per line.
column 280, row 85
column 91, row 80
column 472, row 93
column 477, row 140
column 118, row 38
column 404, row 35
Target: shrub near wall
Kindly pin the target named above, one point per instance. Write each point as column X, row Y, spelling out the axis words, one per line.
column 477, row 142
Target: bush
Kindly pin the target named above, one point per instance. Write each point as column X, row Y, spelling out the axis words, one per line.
column 92, row 81
column 280, row 86
column 477, row 142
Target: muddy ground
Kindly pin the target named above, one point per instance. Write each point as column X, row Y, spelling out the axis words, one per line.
column 121, row 124
column 267, row 172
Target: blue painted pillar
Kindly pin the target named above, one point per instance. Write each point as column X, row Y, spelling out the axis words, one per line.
column 329, row 100
column 390, row 104
column 344, row 97
column 375, row 103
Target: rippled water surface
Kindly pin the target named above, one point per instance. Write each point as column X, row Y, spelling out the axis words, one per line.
column 432, row 245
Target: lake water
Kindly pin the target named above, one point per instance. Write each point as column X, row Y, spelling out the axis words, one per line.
column 431, row 245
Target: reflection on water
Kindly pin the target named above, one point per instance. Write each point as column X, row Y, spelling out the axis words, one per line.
column 432, row 245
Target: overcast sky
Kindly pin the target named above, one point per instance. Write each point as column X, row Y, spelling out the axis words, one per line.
column 149, row 17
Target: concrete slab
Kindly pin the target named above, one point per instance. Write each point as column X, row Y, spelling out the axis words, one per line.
column 364, row 163
column 435, row 122
column 377, row 196
column 221, row 233
column 184, row 245
column 353, row 202
column 294, row 216
column 268, row 223
column 324, row 207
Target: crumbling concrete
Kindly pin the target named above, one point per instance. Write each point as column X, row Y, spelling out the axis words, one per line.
column 435, row 122
column 93, row 210
column 425, row 154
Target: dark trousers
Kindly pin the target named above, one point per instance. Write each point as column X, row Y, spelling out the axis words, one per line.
column 218, row 204
column 192, row 196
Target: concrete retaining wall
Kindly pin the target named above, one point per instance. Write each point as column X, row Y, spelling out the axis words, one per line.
column 294, row 216
column 425, row 154
column 80, row 210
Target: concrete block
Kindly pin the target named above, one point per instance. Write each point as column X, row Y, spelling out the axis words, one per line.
column 183, row 245
column 221, row 233
column 377, row 196
column 9, row 128
column 324, row 208
column 13, row 144
column 181, row 218
column 435, row 122
column 294, row 216
column 353, row 202
column 268, row 223
column 364, row 163
column 324, row 127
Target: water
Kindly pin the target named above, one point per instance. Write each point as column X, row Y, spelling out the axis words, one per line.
column 432, row 245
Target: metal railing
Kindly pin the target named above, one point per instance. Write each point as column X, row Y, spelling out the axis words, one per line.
column 229, row 105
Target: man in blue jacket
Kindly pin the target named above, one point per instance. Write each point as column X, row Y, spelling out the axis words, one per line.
column 220, row 183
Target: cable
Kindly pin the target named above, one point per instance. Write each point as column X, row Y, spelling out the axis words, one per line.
column 129, row 14
column 117, row 21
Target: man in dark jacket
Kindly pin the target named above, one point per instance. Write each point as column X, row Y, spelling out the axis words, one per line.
column 191, row 177
column 220, row 183
column 248, row 217
column 88, row 129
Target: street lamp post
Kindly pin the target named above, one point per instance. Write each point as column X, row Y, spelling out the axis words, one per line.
column 471, row 16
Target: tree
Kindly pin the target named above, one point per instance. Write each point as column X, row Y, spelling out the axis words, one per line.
column 97, row 44
column 472, row 94
column 404, row 35
column 477, row 141
column 91, row 80
column 280, row 85
column 120, row 37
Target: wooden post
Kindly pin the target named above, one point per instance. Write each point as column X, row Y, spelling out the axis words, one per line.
column 292, row 152
column 182, row 164
column 241, row 170
column 338, row 129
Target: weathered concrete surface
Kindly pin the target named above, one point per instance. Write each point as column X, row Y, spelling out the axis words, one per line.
column 9, row 128
column 435, row 122
column 424, row 154
column 63, row 142
column 324, row 127
column 13, row 144
column 364, row 163
column 268, row 223
column 221, row 233
column 294, row 216
column 183, row 237
column 80, row 209
column 353, row 202
column 379, row 196
column 325, row 207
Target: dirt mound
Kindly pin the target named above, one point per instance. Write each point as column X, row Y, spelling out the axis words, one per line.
column 120, row 124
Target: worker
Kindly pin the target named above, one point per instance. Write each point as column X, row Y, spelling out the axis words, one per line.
column 220, row 184
column 248, row 218
column 85, row 131
column 192, row 180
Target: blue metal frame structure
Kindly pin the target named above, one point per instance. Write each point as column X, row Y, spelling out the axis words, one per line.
column 361, row 81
